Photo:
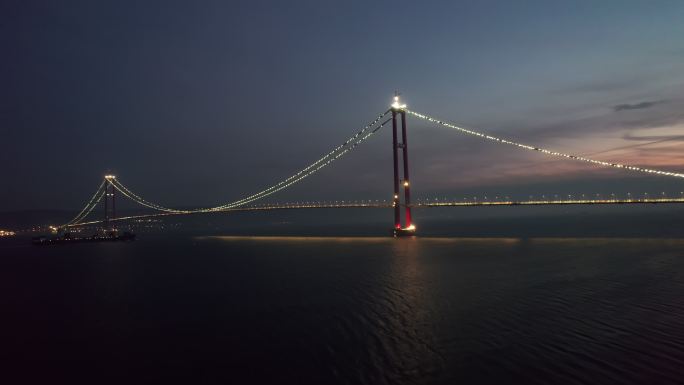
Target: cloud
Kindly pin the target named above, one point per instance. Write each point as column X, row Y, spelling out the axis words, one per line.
column 652, row 138
column 595, row 120
column 602, row 86
column 636, row 106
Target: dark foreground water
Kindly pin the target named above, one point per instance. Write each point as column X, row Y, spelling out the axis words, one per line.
column 222, row 310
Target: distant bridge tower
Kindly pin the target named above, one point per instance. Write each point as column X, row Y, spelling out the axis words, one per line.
column 408, row 229
column 109, row 194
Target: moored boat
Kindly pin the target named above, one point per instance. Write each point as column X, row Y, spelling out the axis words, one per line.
column 67, row 238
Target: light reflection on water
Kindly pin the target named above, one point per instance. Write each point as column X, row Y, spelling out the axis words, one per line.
column 355, row 310
column 516, row 310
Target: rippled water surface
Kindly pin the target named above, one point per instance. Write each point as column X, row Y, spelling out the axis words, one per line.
column 345, row 311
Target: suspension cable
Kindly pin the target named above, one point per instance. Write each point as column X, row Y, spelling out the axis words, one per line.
column 132, row 196
column 330, row 154
column 548, row 152
column 79, row 221
column 307, row 174
column 351, row 143
column 91, row 207
column 85, row 209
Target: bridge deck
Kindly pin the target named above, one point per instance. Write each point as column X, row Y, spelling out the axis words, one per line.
column 324, row 205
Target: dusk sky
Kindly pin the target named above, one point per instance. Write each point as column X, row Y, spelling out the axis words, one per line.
column 200, row 103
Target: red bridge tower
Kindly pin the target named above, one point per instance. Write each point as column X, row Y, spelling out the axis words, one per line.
column 408, row 229
column 109, row 194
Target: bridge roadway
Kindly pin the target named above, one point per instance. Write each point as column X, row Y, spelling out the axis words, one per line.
column 423, row 204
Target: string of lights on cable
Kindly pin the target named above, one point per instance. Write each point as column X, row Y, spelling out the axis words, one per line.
column 89, row 206
column 339, row 151
column 329, row 158
column 545, row 151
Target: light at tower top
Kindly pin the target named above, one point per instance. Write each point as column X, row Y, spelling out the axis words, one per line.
column 397, row 105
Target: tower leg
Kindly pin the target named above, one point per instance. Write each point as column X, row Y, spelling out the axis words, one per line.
column 395, row 146
column 113, row 204
column 409, row 229
column 407, row 185
column 106, row 205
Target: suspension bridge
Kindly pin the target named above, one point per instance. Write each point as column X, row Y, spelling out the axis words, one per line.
column 397, row 114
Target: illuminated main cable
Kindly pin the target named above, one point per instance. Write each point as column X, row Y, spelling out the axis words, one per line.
column 545, row 151
column 328, row 158
column 293, row 181
column 132, row 196
column 80, row 215
column 304, row 170
column 91, row 208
